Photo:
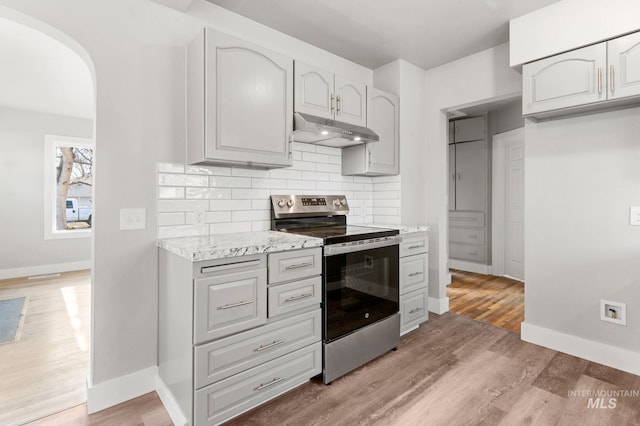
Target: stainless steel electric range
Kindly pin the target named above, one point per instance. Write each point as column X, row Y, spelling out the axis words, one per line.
column 360, row 300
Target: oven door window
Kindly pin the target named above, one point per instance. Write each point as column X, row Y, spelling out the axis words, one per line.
column 360, row 289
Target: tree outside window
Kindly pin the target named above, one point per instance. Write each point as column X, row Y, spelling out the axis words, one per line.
column 68, row 187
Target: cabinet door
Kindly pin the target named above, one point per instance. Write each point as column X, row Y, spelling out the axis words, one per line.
column 471, row 176
column 452, row 177
column 351, row 101
column 624, row 66
column 383, row 118
column 249, row 113
column 469, row 129
column 570, row 79
column 314, row 91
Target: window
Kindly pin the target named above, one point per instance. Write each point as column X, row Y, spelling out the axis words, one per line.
column 68, row 187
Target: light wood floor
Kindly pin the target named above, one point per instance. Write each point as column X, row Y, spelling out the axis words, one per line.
column 451, row 371
column 487, row 298
column 46, row 369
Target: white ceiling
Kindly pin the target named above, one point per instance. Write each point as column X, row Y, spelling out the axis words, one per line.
column 41, row 74
column 372, row 33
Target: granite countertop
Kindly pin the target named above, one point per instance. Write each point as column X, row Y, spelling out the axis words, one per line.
column 404, row 229
column 220, row 246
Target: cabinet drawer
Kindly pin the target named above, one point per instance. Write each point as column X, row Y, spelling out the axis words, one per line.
column 413, row 309
column 413, row 272
column 293, row 265
column 225, row 357
column 230, row 397
column 467, row 219
column 230, row 303
column 289, row 297
column 467, row 252
column 411, row 245
column 466, row 235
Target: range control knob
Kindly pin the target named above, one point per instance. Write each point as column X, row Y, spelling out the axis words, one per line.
column 281, row 203
column 343, row 202
column 289, row 203
column 336, row 202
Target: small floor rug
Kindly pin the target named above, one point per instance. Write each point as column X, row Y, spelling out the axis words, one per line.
column 11, row 318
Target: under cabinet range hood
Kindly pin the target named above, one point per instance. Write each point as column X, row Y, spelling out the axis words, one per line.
column 309, row 128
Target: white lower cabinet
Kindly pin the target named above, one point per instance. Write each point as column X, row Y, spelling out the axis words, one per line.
column 414, row 281
column 229, row 339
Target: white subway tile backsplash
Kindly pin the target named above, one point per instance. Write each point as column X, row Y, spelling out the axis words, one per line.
column 229, row 182
column 238, row 199
column 170, row 192
column 208, row 193
column 230, row 205
column 173, row 179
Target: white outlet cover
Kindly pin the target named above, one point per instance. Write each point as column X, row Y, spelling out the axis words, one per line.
column 131, row 219
column 620, row 309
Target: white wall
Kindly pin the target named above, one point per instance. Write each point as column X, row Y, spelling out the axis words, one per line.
column 136, row 49
column 569, row 24
column 237, row 199
column 407, row 81
column 581, row 177
column 469, row 81
column 24, row 249
column 507, row 117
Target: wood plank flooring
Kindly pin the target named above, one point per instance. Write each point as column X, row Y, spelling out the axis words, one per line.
column 487, row 298
column 46, row 369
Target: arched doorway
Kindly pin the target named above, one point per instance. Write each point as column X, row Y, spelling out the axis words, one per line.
column 48, row 86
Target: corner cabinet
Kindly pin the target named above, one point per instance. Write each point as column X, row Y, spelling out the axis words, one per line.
column 593, row 77
column 324, row 94
column 239, row 103
column 237, row 332
column 382, row 157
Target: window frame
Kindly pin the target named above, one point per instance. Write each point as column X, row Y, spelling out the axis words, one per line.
column 50, row 144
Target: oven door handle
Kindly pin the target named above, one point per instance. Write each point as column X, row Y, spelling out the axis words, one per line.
column 335, row 249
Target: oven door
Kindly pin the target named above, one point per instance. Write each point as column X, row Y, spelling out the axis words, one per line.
column 360, row 287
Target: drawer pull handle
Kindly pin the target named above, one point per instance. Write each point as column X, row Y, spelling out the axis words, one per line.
column 473, row 253
column 465, row 219
column 416, row 246
column 235, row 305
column 298, row 265
column 473, row 237
column 298, row 297
column 271, row 383
column 414, row 274
column 269, row 346
column 413, row 311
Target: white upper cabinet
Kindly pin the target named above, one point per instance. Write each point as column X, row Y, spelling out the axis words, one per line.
column 570, row 79
column 321, row 93
column 381, row 157
column 624, row 66
column 597, row 76
column 239, row 103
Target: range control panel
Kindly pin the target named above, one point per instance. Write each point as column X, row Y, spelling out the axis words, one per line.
column 308, row 205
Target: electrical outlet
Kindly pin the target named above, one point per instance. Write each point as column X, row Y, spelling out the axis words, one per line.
column 132, row 219
column 198, row 215
column 634, row 215
column 614, row 312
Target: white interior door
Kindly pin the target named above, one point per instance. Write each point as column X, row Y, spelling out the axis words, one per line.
column 510, row 147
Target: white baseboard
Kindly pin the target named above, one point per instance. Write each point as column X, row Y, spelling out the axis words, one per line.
column 602, row 353
column 29, row 271
column 121, row 389
column 478, row 268
column 439, row 306
column 170, row 404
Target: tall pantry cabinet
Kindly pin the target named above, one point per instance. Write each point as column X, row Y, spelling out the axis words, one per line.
column 469, row 183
